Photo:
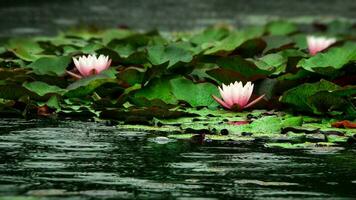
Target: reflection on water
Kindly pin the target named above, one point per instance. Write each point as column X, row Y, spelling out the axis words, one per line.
column 88, row 160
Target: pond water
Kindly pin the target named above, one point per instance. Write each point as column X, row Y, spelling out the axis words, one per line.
column 19, row 17
column 84, row 160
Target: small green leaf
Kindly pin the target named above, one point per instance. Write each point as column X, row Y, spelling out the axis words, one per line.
column 272, row 62
column 54, row 102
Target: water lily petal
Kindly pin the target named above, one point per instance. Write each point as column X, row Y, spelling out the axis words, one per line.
column 221, row 102
column 317, row 44
column 226, row 95
column 237, row 91
column 247, row 93
column 254, row 101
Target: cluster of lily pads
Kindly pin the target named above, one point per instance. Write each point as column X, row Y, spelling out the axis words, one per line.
column 141, row 77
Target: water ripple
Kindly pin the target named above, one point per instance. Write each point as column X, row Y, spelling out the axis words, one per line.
column 90, row 160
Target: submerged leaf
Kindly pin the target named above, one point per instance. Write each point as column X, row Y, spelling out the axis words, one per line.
column 344, row 124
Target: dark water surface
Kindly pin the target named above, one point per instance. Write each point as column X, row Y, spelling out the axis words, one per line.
column 83, row 160
column 38, row 17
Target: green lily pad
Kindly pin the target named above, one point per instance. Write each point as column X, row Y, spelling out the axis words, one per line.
column 26, row 49
column 234, row 40
column 158, row 89
column 209, row 36
column 172, row 90
column 298, row 97
column 182, row 90
column 281, row 28
column 42, row 88
column 170, row 54
column 334, row 58
column 86, row 86
column 237, row 69
column 51, row 65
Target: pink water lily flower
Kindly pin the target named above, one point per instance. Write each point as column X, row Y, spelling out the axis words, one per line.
column 90, row 65
column 236, row 96
column 317, row 44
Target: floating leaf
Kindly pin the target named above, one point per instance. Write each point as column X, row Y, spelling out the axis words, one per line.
column 281, row 28
column 298, row 97
column 42, row 88
column 184, row 88
column 234, row 40
column 277, row 42
column 131, row 75
column 272, row 62
column 158, row 89
column 172, row 90
column 26, row 49
column 237, row 69
column 170, row 54
column 51, row 65
column 117, row 34
column 209, row 37
column 334, row 58
column 87, row 85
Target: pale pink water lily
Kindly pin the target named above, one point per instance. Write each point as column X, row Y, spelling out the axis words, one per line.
column 236, row 96
column 317, row 44
column 90, row 65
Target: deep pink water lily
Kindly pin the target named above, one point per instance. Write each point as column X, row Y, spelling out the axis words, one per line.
column 317, row 44
column 236, row 96
column 90, row 65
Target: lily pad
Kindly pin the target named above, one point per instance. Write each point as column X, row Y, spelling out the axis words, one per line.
column 42, row 88
column 51, row 65
column 234, row 40
column 87, row 85
column 334, row 58
column 299, row 97
column 170, row 54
